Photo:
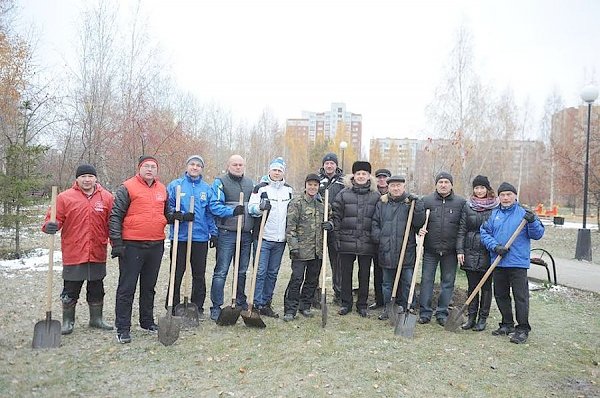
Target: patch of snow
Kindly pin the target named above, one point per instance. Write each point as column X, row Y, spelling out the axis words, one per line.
column 36, row 260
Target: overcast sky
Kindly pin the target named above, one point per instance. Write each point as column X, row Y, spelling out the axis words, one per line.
column 384, row 59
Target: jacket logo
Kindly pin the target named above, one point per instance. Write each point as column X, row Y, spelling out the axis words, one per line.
column 203, row 196
column 159, row 197
column 99, row 206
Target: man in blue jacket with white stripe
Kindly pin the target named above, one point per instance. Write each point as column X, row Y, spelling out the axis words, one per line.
column 511, row 272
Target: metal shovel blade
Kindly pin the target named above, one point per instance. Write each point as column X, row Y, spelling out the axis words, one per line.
column 46, row 333
column 168, row 328
column 188, row 312
column 406, row 325
column 323, row 310
column 229, row 316
column 455, row 319
column 392, row 310
column 252, row 319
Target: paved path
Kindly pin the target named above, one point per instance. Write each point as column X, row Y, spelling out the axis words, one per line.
column 569, row 272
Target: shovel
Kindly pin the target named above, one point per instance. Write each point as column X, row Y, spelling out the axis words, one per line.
column 324, row 264
column 187, row 310
column 250, row 316
column 46, row 333
column 407, row 321
column 169, row 325
column 455, row 319
column 391, row 307
column 230, row 314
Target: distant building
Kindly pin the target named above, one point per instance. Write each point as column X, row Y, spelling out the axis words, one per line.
column 399, row 155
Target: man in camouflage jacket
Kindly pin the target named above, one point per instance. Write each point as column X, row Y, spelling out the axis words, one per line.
column 304, row 236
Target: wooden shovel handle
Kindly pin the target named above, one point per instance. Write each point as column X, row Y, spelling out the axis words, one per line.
column 51, row 251
column 325, row 254
column 420, row 250
column 261, row 233
column 188, row 251
column 494, row 264
column 238, row 246
column 403, row 251
column 174, row 248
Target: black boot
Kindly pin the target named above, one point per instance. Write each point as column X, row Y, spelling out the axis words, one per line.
column 68, row 319
column 96, row 320
column 472, row 314
column 484, row 310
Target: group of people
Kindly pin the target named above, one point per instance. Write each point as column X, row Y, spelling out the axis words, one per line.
column 367, row 218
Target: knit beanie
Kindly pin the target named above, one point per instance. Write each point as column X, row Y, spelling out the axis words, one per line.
column 198, row 158
column 505, row 186
column 361, row 165
column 85, row 169
column 330, row 157
column 277, row 164
column 147, row 158
column 482, row 181
column 444, row 174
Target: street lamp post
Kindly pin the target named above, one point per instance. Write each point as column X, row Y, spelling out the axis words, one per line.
column 583, row 250
column 343, row 146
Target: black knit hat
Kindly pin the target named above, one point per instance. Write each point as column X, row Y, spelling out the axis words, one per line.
column 145, row 158
column 383, row 172
column 330, row 157
column 482, row 181
column 505, row 186
column 444, row 174
column 361, row 165
column 312, row 177
column 396, row 178
column 85, row 169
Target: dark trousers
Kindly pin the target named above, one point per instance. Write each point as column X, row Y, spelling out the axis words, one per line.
column 364, row 271
column 447, row 263
column 72, row 289
column 302, row 285
column 141, row 262
column 198, row 265
column 506, row 279
column 334, row 262
column 377, row 281
column 483, row 305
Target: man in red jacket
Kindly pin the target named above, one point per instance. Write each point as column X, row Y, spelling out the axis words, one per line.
column 82, row 216
column 137, row 233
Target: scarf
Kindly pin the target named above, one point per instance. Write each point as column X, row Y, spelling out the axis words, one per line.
column 483, row 204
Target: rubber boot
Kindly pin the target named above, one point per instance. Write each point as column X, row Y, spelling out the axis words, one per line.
column 68, row 319
column 484, row 311
column 472, row 316
column 96, row 320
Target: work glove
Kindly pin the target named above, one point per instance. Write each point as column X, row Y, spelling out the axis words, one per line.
column 51, row 228
column 501, row 250
column 178, row 216
column 117, row 250
column 529, row 216
column 294, row 254
column 265, row 205
column 188, row 217
column 327, row 226
column 213, row 242
column 412, row 197
column 238, row 210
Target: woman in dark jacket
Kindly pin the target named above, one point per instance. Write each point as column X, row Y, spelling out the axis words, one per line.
column 352, row 212
column 472, row 255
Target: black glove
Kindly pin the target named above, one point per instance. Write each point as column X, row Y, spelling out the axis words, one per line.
column 51, row 228
column 529, row 216
column 412, row 197
column 178, row 216
column 294, row 254
column 501, row 250
column 117, row 250
column 238, row 210
column 327, row 226
column 188, row 217
column 213, row 242
column 265, row 204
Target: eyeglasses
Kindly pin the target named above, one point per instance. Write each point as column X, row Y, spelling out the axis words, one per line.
column 149, row 166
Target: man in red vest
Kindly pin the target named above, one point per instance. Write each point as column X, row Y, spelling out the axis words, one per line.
column 137, row 233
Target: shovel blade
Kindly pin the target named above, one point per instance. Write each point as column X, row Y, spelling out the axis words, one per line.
column 318, row 299
column 406, row 325
column 229, row 316
column 392, row 310
column 168, row 329
column 46, row 333
column 455, row 319
column 188, row 312
column 323, row 310
column 252, row 319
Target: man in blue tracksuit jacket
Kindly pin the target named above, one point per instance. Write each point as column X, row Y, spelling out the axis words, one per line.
column 511, row 271
column 204, row 229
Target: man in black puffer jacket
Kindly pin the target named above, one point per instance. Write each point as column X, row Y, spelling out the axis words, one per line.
column 440, row 247
column 352, row 212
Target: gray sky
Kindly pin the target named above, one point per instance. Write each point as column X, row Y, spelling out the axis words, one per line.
column 384, row 59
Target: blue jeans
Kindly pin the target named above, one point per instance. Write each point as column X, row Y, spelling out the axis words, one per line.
column 268, row 268
column 389, row 275
column 448, row 263
column 225, row 255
